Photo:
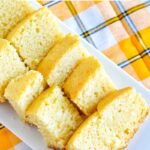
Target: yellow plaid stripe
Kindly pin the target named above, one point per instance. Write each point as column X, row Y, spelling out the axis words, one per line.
column 75, row 13
column 138, row 65
column 145, row 34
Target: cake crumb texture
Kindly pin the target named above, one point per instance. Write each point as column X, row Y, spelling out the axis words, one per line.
column 35, row 35
column 62, row 59
column 116, row 120
column 23, row 89
column 55, row 117
column 10, row 65
column 11, row 13
column 87, row 84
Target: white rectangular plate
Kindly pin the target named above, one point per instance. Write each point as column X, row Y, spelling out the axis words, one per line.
column 31, row 136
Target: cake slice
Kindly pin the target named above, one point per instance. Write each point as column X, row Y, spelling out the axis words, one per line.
column 55, row 117
column 61, row 60
column 12, row 12
column 113, row 125
column 87, row 84
column 10, row 65
column 22, row 90
column 35, row 35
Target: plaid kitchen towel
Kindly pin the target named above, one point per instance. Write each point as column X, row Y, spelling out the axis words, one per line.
column 119, row 29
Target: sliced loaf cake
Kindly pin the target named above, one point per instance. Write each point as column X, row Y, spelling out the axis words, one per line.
column 87, row 84
column 113, row 125
column 23, row 89
column 55, row 117
column 11, row 13
column 10, row 65
column 61, row 60
column 35, row 35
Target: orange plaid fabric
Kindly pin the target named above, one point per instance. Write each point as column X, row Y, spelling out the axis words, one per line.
column 7, row 139
column 120, row 29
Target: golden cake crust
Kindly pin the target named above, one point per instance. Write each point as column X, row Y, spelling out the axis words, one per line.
column 86, row 69
column 61, row 60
